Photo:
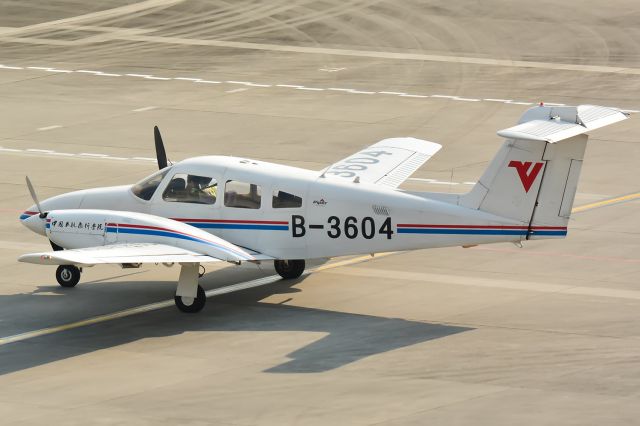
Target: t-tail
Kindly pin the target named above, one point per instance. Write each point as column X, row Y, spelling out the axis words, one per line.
column 534, row 177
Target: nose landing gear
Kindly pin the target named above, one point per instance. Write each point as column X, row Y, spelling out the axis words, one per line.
column 68, row 275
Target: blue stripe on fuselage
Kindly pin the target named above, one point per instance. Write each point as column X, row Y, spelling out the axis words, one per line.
column 478, row 231
column 204, row 225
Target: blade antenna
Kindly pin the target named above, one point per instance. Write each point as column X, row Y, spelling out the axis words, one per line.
column 33, row 195
column 161, row 154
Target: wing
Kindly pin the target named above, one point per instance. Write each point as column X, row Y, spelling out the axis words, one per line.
column 118, row 253
column 388, row 162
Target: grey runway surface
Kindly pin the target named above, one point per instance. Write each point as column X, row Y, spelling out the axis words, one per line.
column 546, row 334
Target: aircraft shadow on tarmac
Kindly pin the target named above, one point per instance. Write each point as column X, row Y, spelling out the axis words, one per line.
column 349, row 337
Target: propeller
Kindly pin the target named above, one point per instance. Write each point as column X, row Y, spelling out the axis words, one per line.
column 35, row 197
column 160, row 152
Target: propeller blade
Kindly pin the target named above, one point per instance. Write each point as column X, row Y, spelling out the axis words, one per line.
column 160, row 152
column 33, row 194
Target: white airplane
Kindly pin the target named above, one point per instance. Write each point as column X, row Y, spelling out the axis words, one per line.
column 215, row 208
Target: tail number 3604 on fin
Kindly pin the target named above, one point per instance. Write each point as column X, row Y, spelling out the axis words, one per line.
column 349, row 227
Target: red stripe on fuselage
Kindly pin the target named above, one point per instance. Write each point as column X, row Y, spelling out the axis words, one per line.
column 418, row 225
column 256, row 222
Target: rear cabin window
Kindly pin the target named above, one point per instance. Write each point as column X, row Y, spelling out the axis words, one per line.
column 285, row 200
column 185, row 188
column 147, row 186
column 242, row 195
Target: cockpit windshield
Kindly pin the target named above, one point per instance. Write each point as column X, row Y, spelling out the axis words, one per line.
column 147, row 186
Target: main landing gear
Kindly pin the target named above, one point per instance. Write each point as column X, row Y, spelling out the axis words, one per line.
column 190, row 297
column 289, row 269
column 68, row 275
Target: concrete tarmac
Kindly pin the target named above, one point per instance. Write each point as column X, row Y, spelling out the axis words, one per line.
column 546, row 334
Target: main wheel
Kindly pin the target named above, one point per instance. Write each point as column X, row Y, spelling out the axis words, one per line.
column 68, row 275
column 195, row 306
column 289, row 269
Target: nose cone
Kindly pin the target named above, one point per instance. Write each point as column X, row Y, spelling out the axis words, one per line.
column 29, row 212
column 35, row 223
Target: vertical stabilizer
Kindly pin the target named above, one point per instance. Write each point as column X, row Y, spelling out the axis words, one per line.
column 534, row 176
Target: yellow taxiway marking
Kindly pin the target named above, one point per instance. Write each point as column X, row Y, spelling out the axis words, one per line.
column 160, row 305
column 606, row 202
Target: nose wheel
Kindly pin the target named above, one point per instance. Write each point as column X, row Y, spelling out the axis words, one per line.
column 68, row 275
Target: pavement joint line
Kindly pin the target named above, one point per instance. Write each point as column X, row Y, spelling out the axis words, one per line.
column 166, row 303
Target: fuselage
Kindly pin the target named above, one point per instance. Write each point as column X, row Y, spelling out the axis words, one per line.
column 293, row 213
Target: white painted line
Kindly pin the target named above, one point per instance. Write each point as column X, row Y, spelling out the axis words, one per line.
column 117, row 158
column 631, row 111
column 139, row 75
column 406, row 95
column 6, row 67
column 55, row 70
column 187, row 78
column 552, row 104
column 242, row 89
column 89, row 154
column 149, row 108
column 107, row 74
column 519, row 103
column 496, row 100
column 310, row 88
column 10, row 150
column 89, row 71
column 43, row 151
column 338, row 89
column 38, row 68
column 244, row 83
column 469, row 183
column 260, row 85
column 443, row 96
column 392, row 93
column 361, row 92
column 144, row 158
column 55, row 126
column 207, row 81
column 157, row 78
column 466, row 99
column 290, row 85
column 62, row 154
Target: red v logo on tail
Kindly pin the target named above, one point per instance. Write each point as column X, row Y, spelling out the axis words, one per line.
column 527, row 173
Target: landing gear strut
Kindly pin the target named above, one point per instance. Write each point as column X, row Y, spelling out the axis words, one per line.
column 190, row 297
column 68, row 275
column 289, row 269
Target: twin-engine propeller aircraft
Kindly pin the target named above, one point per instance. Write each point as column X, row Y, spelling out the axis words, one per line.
column 215, row 208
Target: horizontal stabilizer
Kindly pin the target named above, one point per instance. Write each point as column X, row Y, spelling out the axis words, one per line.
column 553, row 124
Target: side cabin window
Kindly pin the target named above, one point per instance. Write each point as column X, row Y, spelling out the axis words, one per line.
column 242, row 195
column 147, row 186
column 285, row 200
column 185, row 188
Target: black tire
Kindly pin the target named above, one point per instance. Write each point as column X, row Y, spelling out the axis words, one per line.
column 68, row 275
column 196, row 306
column 289, row 269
